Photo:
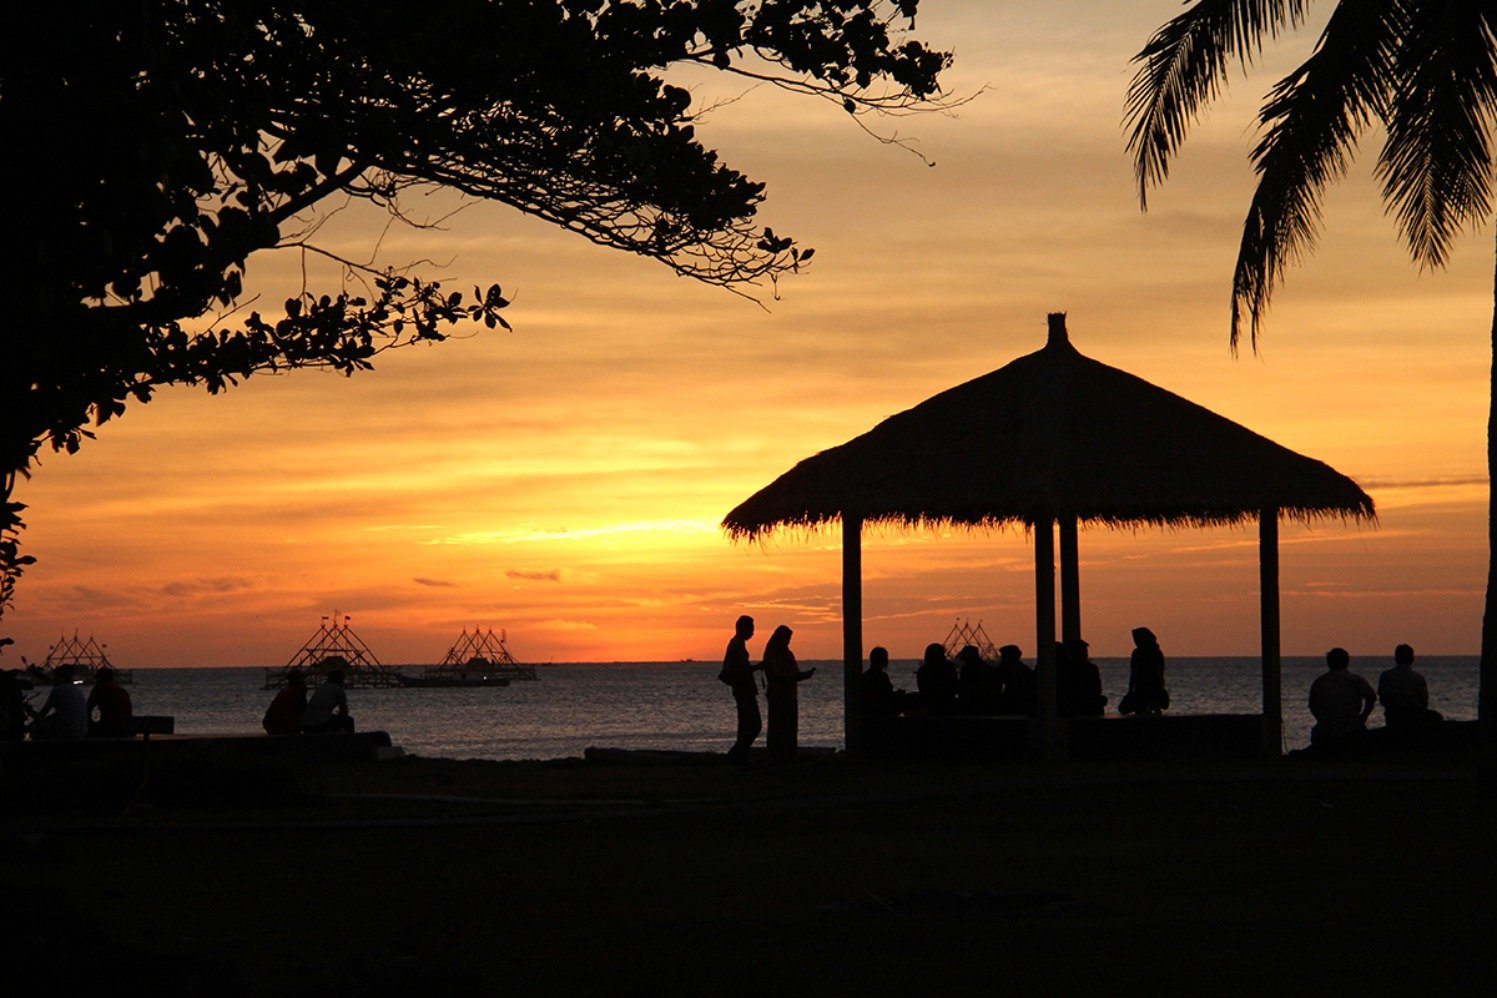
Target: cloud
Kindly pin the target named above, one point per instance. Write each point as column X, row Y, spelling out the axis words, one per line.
column 435, row 583
column 1424, row 483
column 566, row 625
column 195, row 587
column 552, row 576
column 1324, row 590
column 96, row 599
column 564, row 534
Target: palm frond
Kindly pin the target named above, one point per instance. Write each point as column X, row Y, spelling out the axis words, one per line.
column 1436, row 166
column 1310, row 125
column 1185, row 65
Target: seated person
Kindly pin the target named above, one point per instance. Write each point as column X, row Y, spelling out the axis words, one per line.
column 880, row 698
column 327, row 707
column 936, row 680
column 283, row 716
column 978, row 684
column 1146, row 693
column 112, row 702
column 1405, row 695
column 64, row 714
column 1340, row 701
column 1017, row 681
column 1078, row 683
column 14, row 710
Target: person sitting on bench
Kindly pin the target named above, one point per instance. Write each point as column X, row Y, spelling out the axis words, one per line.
column 327, row 707
column 64, row 715
column 113, row 704
column 283, row 716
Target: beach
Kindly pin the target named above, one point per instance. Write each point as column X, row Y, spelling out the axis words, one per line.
column 825, row 877
column 643, row 863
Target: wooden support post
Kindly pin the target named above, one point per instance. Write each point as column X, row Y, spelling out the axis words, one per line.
column 1044, row 634
column 1268, row 585
column 1070, row 581
column 852, row 633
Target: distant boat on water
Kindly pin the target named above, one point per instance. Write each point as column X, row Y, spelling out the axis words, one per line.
column 335, row 646
column 85, row 655
column 478, row 659
column 964, row 633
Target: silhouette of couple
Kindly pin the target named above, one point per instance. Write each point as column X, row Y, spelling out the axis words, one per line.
column 783, row 676
column 293, row 712
column 1341, row 702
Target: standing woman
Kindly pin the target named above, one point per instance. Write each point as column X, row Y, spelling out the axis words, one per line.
column 784, row 675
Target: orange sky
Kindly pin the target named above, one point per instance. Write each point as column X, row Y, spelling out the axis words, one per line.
column 565, row 481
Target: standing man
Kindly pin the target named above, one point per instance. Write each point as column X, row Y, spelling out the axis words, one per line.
column 1341, row 701
column 738, row 673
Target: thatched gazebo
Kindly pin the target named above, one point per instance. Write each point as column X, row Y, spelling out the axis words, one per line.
column 1054, row 438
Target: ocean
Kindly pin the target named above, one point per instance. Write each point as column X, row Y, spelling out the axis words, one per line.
column 682, row 706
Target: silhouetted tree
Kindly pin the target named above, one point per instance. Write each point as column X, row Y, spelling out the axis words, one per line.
column 1424, row 70
column 170, row 140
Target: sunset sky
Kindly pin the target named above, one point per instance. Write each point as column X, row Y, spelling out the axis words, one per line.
column 565, row 481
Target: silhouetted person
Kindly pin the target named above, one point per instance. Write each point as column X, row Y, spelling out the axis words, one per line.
column 112, row 702
column 876, row 687
column 1340, row 701
column 1078, row 683
column 978, row 685
column 64, row 714
column 283, row 716
column 880, row 698
column 738, row 673
column 1405, row 696
column 1018, row 682
column 784, row 675
column 327, row 707
column 1146, row 693
column 14, row 710
column 936, row 679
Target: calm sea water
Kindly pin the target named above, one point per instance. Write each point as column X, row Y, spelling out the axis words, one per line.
column 682, row 706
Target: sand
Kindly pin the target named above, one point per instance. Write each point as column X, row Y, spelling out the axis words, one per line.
column 821, row 878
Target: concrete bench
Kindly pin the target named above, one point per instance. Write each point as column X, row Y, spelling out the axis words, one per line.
column 196, row 749
column 152, row 724
column 999, row 738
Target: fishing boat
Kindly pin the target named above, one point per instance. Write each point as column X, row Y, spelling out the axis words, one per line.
column 964, row 633
column 85, row 655
column 478, row 659
column 474, row 672
column 335, row 646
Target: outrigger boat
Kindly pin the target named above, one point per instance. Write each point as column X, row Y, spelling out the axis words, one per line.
column 477, row 659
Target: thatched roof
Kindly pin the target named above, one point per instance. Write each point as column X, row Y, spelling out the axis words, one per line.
column 1052, row 434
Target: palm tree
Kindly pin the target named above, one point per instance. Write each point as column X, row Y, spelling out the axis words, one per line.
column 1423, row 70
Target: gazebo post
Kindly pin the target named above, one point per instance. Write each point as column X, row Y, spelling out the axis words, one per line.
column 852, row 632
column 1070, row 581
column 1044, row 634
column 1268, row 585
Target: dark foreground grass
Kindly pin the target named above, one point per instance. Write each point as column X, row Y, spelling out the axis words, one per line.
column 821, row 879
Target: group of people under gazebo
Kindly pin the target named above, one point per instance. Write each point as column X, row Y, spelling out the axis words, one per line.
column 1052, row 442
column 972, row 685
